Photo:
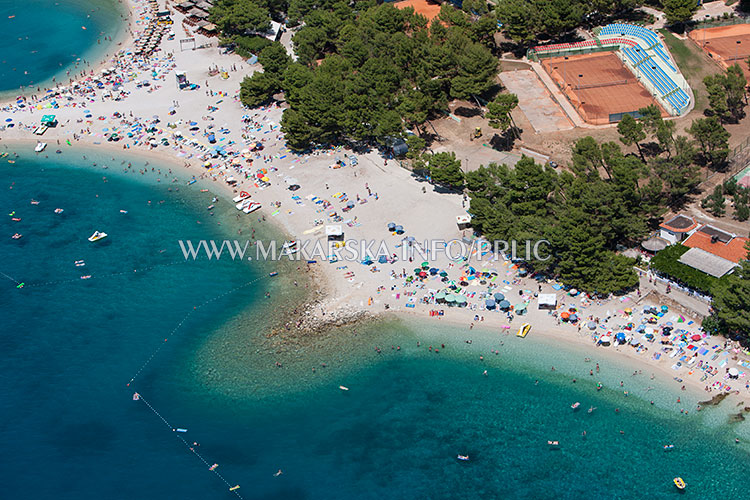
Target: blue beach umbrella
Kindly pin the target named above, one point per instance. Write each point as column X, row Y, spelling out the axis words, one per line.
column 499, row 296
column 382, row 259
column 504, row 304
column 490, row 304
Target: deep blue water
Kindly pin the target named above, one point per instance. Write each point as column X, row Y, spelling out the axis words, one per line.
column 46, row 37
column 70, row 429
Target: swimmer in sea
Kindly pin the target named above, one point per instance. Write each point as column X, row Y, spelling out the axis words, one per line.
column 278, row 473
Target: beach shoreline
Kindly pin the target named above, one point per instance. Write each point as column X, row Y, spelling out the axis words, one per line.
column 383, row 191
column 100, row 54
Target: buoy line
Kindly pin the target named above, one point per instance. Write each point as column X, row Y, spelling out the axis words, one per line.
column 182, row 321
column 138, row 397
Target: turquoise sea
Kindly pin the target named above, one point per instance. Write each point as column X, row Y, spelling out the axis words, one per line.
column 71, row 430
column 43, row 38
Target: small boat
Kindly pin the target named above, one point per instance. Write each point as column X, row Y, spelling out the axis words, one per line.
column 668, row 447
column 34, row 202
column 180, row 430
column 274, row 273
column 97, row 236
column 213, row 467
column 343, row 388
column 123, row 211
column 553, row 443
column 58, row 210
column 86, row 277
column 679, row 483
column 17, row 236
column 524, row 330
column 80, row 263
column 40, row 147
column 465, row 458
column 16, row 219
column 210, row 207
column 234, row 488
column 575, row 405
column 136, row 396
column 591, row 409
column 204, row 190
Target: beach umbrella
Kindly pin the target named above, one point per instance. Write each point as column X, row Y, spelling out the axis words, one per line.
column 504, row 304
column 463, row 283
column 422, row 274
column 520, row 308
column 573, row 318
column 9, row 119
column 490, row 304
column 399, row 229
column 433, row 271
column 499, row 296
column 440, row 296
column 591, row 325
column 565, row 315
column 450, row 298
column 391, row 226
column 443, row 274
column 382, row 259
column 417, row 270
column 733, row 372
column 695, row 338
column 425, row 265
column 460, row 300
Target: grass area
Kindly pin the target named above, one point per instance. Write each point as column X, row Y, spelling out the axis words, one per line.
column 693, row 64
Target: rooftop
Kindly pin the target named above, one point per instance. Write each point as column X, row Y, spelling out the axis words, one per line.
column 719, row 243
column 679, row 224
column 707, row 262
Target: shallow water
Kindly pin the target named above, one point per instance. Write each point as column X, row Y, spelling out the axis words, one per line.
column 71, row 429
column 44, row 38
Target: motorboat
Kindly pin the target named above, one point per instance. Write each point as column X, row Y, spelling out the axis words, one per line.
column 343, row 388
column 98, row 235
column 591, row 409
column 575, row 405
column 17, row 236
column 465, row 458
column 679, row 483
column 668, row 447
column 58, row 210
column 524, row 330
column 210, row 207
column 40, row 146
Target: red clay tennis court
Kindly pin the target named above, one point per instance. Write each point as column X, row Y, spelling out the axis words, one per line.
column 726, row 44
column 599, row 86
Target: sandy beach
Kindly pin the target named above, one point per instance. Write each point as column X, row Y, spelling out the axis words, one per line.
column 163, row 124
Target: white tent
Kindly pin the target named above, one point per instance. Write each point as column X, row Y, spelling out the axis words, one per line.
column 547, row 301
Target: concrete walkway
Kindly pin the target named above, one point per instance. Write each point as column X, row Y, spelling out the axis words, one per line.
column 558, row 96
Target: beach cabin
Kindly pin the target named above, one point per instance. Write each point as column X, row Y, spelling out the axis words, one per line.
column 463, row 222
column 547, row 301
column 676, row 229
column 335, row 233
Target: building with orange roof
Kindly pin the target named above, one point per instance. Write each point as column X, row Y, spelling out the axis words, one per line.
column 677, row 228
column 713, row 251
